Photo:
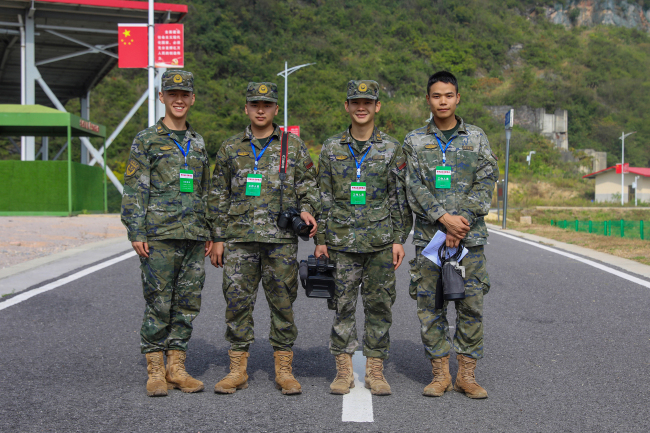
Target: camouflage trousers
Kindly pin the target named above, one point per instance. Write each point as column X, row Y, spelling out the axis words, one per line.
column 375, row 273
column 468, row 338
column 245, row 264
column 172, row 280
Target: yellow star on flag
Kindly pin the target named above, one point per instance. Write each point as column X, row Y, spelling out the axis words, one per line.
column 127, row 33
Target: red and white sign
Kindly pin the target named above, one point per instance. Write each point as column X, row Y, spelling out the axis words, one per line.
column 292, row 129
column 626, row 168
column 133, row 46
column 168, row 47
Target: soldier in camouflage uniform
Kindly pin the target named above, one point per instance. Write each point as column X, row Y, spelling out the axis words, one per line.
column 164, row 205
column 364, row 235
column 245, row 205
column 456, row 205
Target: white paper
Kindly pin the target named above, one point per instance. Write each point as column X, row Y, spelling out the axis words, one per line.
column 431, row 250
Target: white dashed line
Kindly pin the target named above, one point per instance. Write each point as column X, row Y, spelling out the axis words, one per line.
column 357, row 405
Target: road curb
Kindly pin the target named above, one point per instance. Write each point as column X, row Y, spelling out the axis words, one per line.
column 619, row 262
column 24, row 275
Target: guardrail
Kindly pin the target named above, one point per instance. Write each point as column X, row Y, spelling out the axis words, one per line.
column 618, row 228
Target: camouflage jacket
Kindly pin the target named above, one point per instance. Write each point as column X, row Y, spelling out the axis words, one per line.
column 474, row 172
column 386, row 218
column 241, row 218
column 153, row 207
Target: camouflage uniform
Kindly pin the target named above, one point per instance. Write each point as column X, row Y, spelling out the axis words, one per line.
column 172, row 222
column 360, row 237
column 474, row 173
column 256, row 248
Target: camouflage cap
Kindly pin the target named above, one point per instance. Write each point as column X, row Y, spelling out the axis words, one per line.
column 262, row 92
column 367, row 89
column 177, row 80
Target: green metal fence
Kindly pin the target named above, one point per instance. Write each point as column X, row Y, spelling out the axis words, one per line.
column 617, row 228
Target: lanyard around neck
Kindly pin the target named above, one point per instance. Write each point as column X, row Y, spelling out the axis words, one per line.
column 257, row 158
column 184, row 152
column 357, row 163
column 444, row 151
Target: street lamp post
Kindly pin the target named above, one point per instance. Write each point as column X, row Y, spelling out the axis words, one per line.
column 623, row 135
column 286, row 74
column 509, row 123
column 530, row 156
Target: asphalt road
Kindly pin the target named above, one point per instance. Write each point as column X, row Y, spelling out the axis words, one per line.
column 567, row 350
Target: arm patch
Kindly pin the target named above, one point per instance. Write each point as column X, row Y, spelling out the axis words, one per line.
column 132, row 167
column 495, row 157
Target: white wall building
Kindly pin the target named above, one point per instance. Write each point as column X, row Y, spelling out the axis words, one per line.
column 608, row 184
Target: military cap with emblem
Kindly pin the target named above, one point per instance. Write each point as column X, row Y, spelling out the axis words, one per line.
column 367, row 89
column 262, row 92
column 177, row 80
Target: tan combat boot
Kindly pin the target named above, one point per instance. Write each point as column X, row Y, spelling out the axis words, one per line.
column 176, row 375
column 284, row 379
column 237, row 378
column 344, row 377
column 156, row 384
column 465, row 380
column 441, row 378
column 375, row 380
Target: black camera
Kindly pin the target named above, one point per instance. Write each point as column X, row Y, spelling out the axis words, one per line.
column 316, row 276
column 451, row 284
column 290, row 218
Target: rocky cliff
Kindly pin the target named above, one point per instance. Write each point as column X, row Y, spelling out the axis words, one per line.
column 594, row 12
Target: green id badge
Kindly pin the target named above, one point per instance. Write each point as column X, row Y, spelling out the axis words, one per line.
column 443, row 177
column 358, row 193
column 187, row 181
column 254, row 185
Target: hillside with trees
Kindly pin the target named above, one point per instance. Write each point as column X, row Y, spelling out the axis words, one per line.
column 504, row 53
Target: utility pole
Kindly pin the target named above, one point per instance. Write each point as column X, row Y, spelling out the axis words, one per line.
column 150, row 69
column 635, row 185
column 509, row 123
column 286, row 74
column 623, row 135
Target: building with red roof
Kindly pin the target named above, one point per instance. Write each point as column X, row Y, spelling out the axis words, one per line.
column 608, row 184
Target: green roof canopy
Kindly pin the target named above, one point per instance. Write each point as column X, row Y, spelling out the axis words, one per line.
column 38, row 120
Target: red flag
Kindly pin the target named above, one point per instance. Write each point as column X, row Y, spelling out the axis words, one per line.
column 624, row 169
column 132, row 48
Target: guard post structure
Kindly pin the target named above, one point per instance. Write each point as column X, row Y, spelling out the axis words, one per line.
column 56, row 188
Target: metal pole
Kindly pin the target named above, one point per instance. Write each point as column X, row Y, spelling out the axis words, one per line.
column 69, row 170
column 636, row 189
column 505, row 182
column 622, row 163
column 152, row 97
column 286, row 96
column 105, row 176
column 23, row 91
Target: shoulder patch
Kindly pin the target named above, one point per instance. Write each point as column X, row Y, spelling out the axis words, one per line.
column 132, row 167
column 165, row 148
column 495, row 157
column 401, row 166
column 242, row 153
column 470, row 148
column 430, row 146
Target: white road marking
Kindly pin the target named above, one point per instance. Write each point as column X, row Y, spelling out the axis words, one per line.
column 357, row 405
column 579, row 259
column 53, row 285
